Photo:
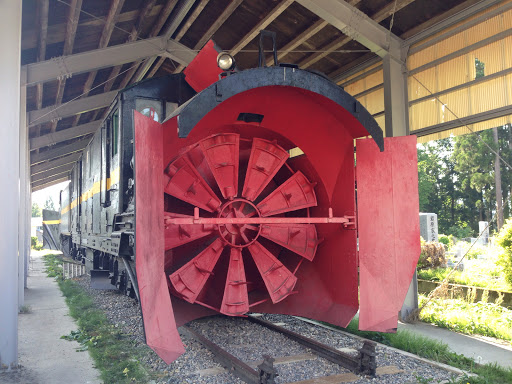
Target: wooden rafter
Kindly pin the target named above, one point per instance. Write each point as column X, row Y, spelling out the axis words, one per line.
column 272, row 15
column 108, row 28
column 113, row 13
column 190, row 20
column 155, row 31
column 181, row 33
column 41, row 52
column 134, row 35
column 304, row 36
column 228, row 11
column 168, row 32
column 380, row 15
column 57, row 32
column 71, row 26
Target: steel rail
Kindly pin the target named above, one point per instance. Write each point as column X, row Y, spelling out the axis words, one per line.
column 363, row 363
column 265, row 374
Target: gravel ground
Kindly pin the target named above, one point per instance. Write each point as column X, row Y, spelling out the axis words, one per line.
column 248, row 342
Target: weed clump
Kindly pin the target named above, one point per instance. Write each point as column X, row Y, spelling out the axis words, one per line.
column 504, row 240
column 114, row 355
column 432, row 255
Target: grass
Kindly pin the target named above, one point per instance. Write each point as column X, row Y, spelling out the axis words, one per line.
column 465, row 278
column 25, row 309
column 437, row 351
column 465, row 316
column 114, row 355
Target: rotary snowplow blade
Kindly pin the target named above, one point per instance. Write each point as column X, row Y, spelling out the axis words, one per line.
column 159, row 324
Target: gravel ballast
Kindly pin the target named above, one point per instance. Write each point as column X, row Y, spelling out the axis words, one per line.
column 249, row 342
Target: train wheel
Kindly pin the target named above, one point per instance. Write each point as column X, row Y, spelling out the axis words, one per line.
column 248, row 225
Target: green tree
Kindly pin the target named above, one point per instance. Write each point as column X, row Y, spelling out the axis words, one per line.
column 438, row 185
column 36, row 211
column 476, row 166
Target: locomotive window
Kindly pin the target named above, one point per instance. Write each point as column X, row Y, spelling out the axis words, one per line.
column 115, row 131
column 149, row 108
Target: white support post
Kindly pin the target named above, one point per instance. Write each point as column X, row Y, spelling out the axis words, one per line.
column 28, row 206
column 10, row 38
column 24, row 179
column 395, row 97
column 396, row 106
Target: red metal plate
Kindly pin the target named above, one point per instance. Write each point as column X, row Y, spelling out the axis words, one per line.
column 176, row 234
column 299, row 238
column 266, row 159
column 185, row 183
column 161, row 332
column 235, row 301
column 388, row 222
column 203, row 71
column 277, row 278
column 295, row 193
column 189, row 280
column 221, row 153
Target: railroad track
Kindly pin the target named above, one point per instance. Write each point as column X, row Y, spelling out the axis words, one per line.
column 363, row 363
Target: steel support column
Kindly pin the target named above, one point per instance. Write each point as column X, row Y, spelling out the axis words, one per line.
column 395, row 97
column 10, row 37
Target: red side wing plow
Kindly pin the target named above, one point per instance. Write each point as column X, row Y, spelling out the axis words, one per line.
column 159, row 324
column 388, row 223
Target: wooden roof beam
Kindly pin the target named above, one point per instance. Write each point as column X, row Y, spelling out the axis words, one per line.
column 228, row 11
column 134, row 34
column 57, row 32
column 42, row 184
column 181, row 33
column 63, row 135
column 106, row 33
column 169, row 31
column 71, row 108
column 59, row 151
column 271, row 16
column 73, row 17
column 103, row 58
column 50, row 164
column 63, row 169
column 304, row 36
column 42, row 10
column 190, row 20
column 356, row 25
column 164, row 15
column 380, row 15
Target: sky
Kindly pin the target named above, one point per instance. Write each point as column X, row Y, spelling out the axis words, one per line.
column 40, row 196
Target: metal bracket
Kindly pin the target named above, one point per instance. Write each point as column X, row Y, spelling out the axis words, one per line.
column 266, row 370
column 261, row 50
column 367, row 356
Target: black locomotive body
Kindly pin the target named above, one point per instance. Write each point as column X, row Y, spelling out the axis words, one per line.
column 97, row 207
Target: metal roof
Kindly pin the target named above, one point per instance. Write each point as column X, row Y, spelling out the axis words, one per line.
column 61, row 38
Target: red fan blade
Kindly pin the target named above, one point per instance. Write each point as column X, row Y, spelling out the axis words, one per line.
column 277, row 278
column 221, row 153
column 189, row 280
column 185, row 183
column 295, row 193
column 266, row 159
column 235, row 301
column 176, row 235
column 299, row 238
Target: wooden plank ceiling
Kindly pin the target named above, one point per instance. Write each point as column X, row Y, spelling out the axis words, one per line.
column 54, row 28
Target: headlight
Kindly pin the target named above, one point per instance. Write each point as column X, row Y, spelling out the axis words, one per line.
column 225, row 61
